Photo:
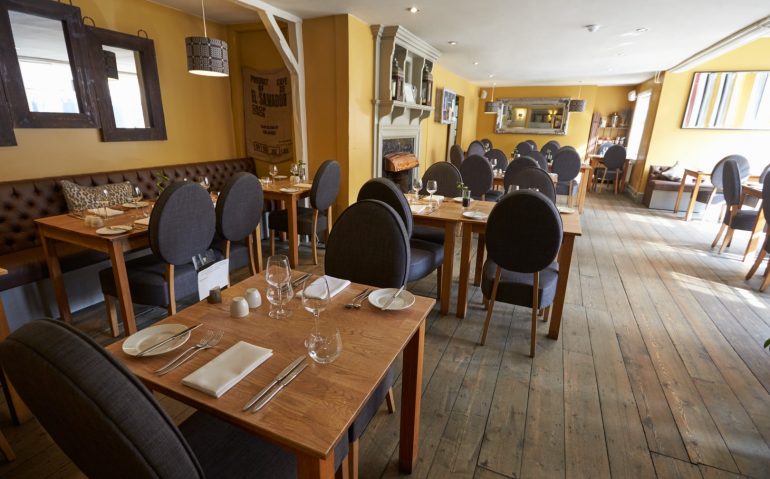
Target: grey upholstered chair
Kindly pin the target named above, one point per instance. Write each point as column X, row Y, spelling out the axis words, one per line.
column 110, row 425
column 475, row 148
column 499, row 156
column 514, row 167
column 566, row 164
column 611, row 168
column 182, row 225
column 456, row 155
column 358, row 254
column 536, row 178
column 763, row 177
column 717, row 195
column 532, row 144
column 447, row 178
column 311, row 221
column 522, row 148
column 487, row 143
column 239, row 212
column 542, row 162
column 766, row 247
column 478, row 177
column 426, row 256
column 735, row 218
column 521, row 268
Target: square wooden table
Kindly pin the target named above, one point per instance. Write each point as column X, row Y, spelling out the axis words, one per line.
column 283, row 191
column 313, row 413
column 450, row 214
column 699, row 177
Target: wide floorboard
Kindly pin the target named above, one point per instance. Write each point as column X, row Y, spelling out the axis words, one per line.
column 659, row 370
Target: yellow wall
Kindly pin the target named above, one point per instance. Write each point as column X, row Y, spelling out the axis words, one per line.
column 700, row 148
column 197, row 109
column 433, row 141
column 611, row 99
column 639, row 171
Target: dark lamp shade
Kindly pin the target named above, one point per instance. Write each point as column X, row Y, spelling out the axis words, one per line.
column 207, row 56
column 577, row 105
column 110, row 64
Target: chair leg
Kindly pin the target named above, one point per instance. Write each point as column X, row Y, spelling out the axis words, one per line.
column 728, row 239
column 498, row 273
column 722, row 212
column 6, row 448
column 766, row 280
column 390, row 401
column 314, row 237
column 569, row 193
column 112, row 314
column 343, row 472
column 535, row 303
column 250, row 246
column 353, row 460
column 547, row 314
column 272, row 242
column 719, row 235
column 617, row 180
column 480, row 248
column 760, row 257
column 439, row 277
column 258, row 248
column 171, row 291
column 328, row 230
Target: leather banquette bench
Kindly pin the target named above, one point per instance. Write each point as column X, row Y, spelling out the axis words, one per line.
column 22, row 201
column 660, row 192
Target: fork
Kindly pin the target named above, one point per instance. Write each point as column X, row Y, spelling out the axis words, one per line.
column 209, row 341
column 357, row 299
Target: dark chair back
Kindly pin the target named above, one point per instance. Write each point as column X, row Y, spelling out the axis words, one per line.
column 239, row 207
column 456, row 155
column 182, row 223
column 551, row 146
column 514, row 167
column 524, row 147
column 567, row 147
column 744, row 168
column 383, row 189
column 532, row 144
column 487, row 143
column 615, row 157
column 447, row 177
column 763, row 178
column 731, row 183
column 524, row 232
column 475, row 148
column 566, row 164
column 502, row 160
column 326, row 185
column 100, row 415
column 536, row 178
column 377, row 254
column 477, row 175
column 539, row 158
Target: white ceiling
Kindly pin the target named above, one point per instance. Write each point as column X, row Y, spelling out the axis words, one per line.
column 537, row 42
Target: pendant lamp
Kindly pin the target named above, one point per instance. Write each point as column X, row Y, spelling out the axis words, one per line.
column 207, row 56
column 492, row 107
column 577, row 105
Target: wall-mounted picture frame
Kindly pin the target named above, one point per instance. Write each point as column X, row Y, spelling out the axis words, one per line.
column 445, row 113
column 733, row 100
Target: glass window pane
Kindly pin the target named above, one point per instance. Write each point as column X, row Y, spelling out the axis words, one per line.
column 129, row 102
column 44, row 63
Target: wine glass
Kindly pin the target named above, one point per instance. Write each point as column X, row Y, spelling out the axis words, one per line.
column 280, row 297
column 294, row 170
column 416, row 187
column 136, row 197
column 278, row 275
column 273, row 171
column 432, row 187
column 493, row 163
column 204, row 182
column 105, row 200
column 325, row 343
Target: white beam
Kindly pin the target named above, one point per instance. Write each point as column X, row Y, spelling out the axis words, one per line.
column 266, row 7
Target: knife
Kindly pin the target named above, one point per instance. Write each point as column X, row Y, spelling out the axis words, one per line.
column 393, row 298
column 167, row 340
column 302, row 278
column 288, row 369
column 281, row 385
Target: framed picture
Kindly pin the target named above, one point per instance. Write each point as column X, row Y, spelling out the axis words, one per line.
column 446, row 112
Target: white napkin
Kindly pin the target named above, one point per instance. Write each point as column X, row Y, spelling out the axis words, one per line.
column 438, row 197
column 143, row 221
column 417, row 209
column 217, row 376
column 303, row 185
column 101, row 212
column 336, row 285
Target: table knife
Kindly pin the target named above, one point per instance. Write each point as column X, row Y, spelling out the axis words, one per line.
column 288, row 369
column 393, row 298
column 299, row 280
column 167, row 340
column 281, row 385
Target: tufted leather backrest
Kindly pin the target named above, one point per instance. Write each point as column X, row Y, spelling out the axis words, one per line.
column 22, row 201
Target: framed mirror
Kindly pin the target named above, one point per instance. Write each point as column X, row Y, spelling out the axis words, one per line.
column 544, row 116
column 43, row 64
column 729, row 100
column 127, row 86
column 7, row 137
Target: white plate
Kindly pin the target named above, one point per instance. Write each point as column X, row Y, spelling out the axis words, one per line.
column 280, row 177
column 290, row 190
column 382, row 296
column 146, row 338
column 566, row 210
column 476, row 215
column 459, row 199
column 139, row 204
column 114, row 230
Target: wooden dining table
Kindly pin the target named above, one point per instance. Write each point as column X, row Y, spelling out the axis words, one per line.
column 585, row 182
column 450, row 215
column 313, row 413
column 289, row 194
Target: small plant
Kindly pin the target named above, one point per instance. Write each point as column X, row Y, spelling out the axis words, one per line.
column 461, row 186
column 767, row 343
column 161, row 181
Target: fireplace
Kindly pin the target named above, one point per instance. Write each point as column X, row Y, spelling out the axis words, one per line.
column 400, row 163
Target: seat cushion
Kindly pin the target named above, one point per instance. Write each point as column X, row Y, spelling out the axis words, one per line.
column 239, row 253
column 428, row 233
column 279, row 220
column 562, row 187
column 493, row 195
column 425, row 257
column 744, row 220
column 371, row 407
column 146, row 278
column 516, row 288
column 29, row 265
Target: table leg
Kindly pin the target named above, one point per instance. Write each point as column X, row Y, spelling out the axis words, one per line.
column 57, row 278
column 565, row 259
column 121, row 285
column 756, row 232
column 465, row 270
column 691, row 205
column 583, row 192
column 411, row 396
column 309, row 467
column 447, row 267
column 480, row 249
column 18, row 410
column 292, row 235
column 679, row 194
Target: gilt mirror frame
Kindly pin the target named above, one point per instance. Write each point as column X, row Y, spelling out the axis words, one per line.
column 150, row 83
column 557, row 124
column 77, row 49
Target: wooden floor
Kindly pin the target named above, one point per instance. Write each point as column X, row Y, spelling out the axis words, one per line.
column 659, row 370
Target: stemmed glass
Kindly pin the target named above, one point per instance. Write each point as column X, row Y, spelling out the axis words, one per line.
column 294, row 170
column 416, row 187
column 136, row 197
column 432, row 187
column 105, row 200
column 273, row 172
column 493, row 163
column 325, row 343
column 204, row 182
column 278, row 275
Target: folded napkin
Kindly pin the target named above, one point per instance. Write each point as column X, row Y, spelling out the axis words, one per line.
column 303, row 185
column 417, row 209
column 217, row 376
column 437, row 197
column 101, row 212
column 143, row 221
column 335, row 284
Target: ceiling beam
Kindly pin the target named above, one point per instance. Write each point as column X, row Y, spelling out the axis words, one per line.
column 259, row 5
